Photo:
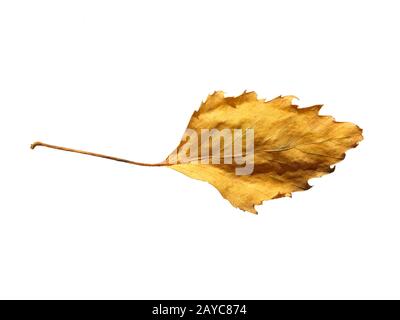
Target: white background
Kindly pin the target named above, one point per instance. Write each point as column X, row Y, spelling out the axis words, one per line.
column 123, row 78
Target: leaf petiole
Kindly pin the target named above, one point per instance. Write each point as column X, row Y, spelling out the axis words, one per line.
column 41, row 144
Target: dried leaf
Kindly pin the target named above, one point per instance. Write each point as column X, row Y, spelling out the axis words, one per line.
column 289, row 146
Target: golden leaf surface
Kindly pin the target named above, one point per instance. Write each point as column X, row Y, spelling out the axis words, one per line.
column 291, row 146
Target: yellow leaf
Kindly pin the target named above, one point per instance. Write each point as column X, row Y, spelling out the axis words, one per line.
column 254, row 150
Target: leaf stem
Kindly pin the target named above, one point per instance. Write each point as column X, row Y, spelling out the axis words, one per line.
column 41, row 144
